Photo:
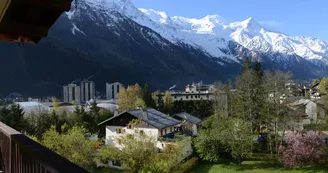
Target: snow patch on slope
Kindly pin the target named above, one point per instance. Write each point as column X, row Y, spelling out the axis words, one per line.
column 75, row 28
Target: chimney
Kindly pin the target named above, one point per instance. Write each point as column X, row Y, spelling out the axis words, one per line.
column 115, row 113
column 145, row 114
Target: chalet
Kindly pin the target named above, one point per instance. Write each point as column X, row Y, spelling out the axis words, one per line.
column 188, row 122
column 312, row 112
column 153, row 123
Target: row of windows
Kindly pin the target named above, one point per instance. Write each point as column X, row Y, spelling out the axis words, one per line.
column 172, row 129
column 192, row 96
column 122, row 131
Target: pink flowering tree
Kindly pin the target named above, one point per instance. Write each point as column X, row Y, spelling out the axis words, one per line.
column 302, row 149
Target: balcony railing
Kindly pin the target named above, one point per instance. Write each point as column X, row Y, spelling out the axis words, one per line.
column 20, row 154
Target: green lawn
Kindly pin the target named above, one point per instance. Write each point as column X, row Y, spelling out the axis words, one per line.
column 254, row 167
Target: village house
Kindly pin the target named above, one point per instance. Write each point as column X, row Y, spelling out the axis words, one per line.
column 308, row 112
column 188, row 122
column 153, row 123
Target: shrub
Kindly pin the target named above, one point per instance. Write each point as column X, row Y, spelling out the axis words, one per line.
column 302, row 149
column 189, row 165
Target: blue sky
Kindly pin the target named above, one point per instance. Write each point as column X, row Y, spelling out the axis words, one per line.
column 292, row 17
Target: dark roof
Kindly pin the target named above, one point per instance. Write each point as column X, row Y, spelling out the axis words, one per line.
column 315, row 85
column 155, row 118
column 188, row 117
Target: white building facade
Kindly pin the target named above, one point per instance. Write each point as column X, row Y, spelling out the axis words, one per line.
column 88, row 90
column 71, row 93
column 162, row 127
column 112, row 89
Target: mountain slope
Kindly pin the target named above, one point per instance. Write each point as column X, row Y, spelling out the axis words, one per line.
column 115, row 41
column 105, row 44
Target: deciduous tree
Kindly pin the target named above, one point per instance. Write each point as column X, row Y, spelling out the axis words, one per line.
column 168, row 102
column 127, row 98
column 72, row 145
column 323, row 86
column 302, row 149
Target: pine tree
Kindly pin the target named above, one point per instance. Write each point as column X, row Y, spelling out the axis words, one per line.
column 147, row 97
column 16, row 117
column 247, row 65
column 258, row 70
column 160, row 102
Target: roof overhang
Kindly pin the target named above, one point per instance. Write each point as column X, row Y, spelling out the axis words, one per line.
column 28, row 21
column 4, row 4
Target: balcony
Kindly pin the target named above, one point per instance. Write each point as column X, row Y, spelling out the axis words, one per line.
column 20, row 154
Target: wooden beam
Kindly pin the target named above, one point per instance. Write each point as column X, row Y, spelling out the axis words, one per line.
column 23, row 29
column 4, row 4
column 64, row 5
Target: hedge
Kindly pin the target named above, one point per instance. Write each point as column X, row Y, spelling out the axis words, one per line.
column 190, row 165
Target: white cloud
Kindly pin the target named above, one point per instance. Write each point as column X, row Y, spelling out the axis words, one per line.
column 271, row 23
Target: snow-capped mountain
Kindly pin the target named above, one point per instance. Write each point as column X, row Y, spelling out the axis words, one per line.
column 213, row 33
column 248, row 33
column 115, row 41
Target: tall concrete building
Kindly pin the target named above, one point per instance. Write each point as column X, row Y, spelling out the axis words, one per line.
column 88, row 90
column 71, row 93
column 112, row 89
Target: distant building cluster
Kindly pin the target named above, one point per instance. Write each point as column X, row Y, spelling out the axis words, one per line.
column 112, row 89
column 86, row 91
column 195, row 91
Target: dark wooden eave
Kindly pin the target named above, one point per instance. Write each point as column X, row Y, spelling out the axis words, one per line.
column 30, row 20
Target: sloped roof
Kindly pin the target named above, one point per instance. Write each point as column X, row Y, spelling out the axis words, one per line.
column 155, row 118
column 189, row 117
column 300, row 102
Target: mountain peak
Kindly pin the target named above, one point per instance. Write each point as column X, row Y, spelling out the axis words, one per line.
column 251, row 23
column 213, row 33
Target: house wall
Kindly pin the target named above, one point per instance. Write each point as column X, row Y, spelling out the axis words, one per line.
column 321, row 114
column 296, row 124
column 311, row 111
column 190, row 126
column 112, row 136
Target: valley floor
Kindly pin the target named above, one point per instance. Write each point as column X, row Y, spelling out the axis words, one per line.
column 254, row 167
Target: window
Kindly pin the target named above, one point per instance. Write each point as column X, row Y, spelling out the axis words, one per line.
column 162, row 132
column 117, row 88
column 165, row 131
column 207, row 96
column 116, row 163
column 187, row 97
column 113, row 91
column 175, row 97
column 171, row 129
column 118, row 130
column 192, row 96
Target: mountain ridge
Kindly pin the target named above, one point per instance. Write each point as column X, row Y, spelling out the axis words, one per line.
column 249, row 33
column 110, row 39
